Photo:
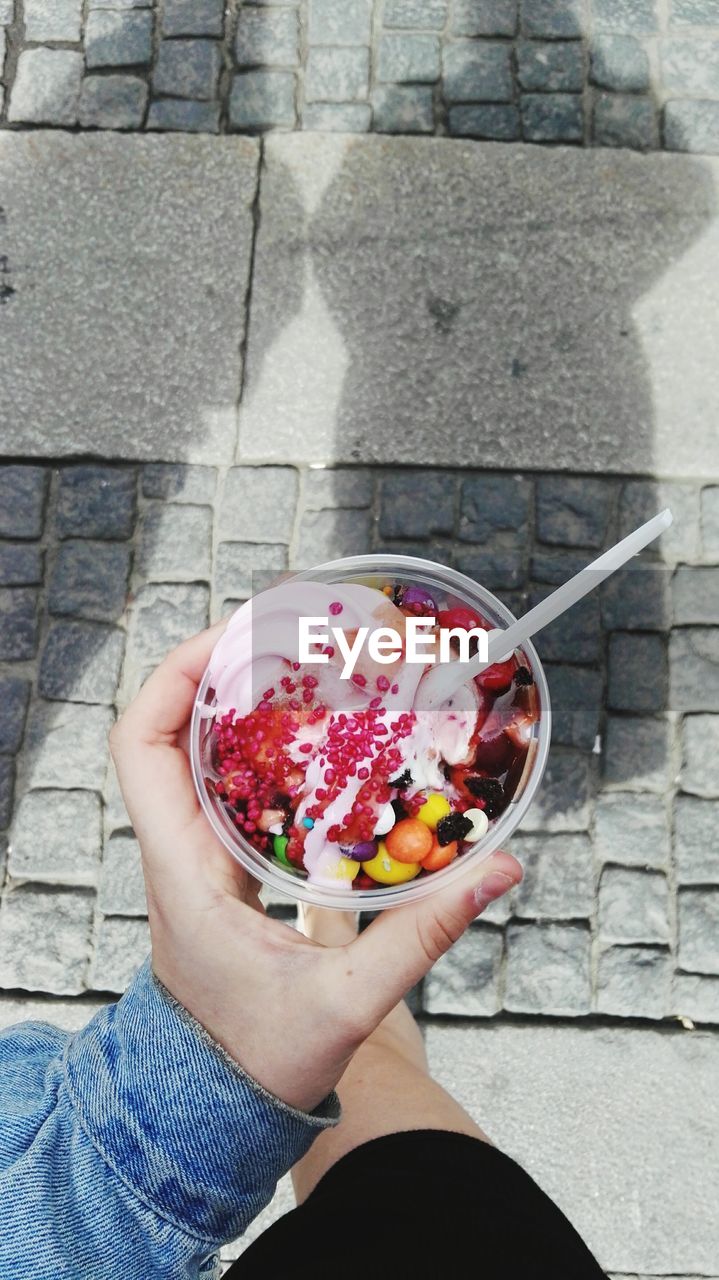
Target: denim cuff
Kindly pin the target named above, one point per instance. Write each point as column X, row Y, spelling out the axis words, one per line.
column 178, row 1120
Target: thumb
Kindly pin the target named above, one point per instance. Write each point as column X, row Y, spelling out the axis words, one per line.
column 401, row 946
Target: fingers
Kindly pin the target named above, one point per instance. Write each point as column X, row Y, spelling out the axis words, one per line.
column 401, row 946
column 164, row 703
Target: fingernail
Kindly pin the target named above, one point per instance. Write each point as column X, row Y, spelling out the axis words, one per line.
column 493, row 886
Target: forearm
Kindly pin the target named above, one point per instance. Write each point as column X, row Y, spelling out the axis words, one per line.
column 139, row 1147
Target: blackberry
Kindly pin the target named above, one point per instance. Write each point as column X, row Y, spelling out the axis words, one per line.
column 404, row 780
column 398, row 594
column 523, row 676
column 490, row 791
column 454, row 827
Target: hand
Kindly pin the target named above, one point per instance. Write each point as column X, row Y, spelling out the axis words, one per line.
column 290, row 1011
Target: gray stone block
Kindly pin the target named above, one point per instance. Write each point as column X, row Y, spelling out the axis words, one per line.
column 632, row 16
column 96, row 502
column 45, row 939
column 700, row 770
column 563, row 800
column 81, row 662
column 258, row 504
column 691, row 67
column 267, row 37
column 122, row 887
column 632, row 830
column 550, row 67
column 467, row 414
column 637, row 754
column 575, row 636
column 576, row 699
column 641, row 499
column 551, row 19
column 413, row 504
column 112, row 102
column 430, row 14
column 46, row 88
column 517, row 1079
column 18, row 623
column 638, row 597
column 118, row 39
column 625, row 120
column 336, row 74
column 692, row 126
column 348, row 23
column 56, row 836
column 176, row 482
column 67, row 745
column 162, row 617
column 122, row 947
column 465, row 980
column 49, row 20
column 491, row 504
column 696, row 852
column 483, row 17
column 176, row 543
column 696, row 594
column 692, row 13
column 693, row 668
column 327, row 487
column 119, row 4
column 187, row 68
column 476, row 71
column 326, row 535
column 634, row 982
column 495, row 121
column 619, row 63
column 157, row 373
column 500, row 570
column 573, row 512
column 699, row 930
column 547, row 969
column 403, row 109
column 558, row 882
column 89, row 580
column 337, row 117
column 263, row 100
column 637, row 672
column 7, row 791
column 193, row 17
column 633, row 906
column 22, row 501
column 20, row 565
column 552, row 117
column 710, row 521
column 409, row 59
column 14, row 695
column 241, row 568
column 7, row 12
column 556, row 565
column 184, row 116
column 696, row 997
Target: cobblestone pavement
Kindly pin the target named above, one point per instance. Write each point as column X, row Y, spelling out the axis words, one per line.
column 631, row 73
column 106, row 567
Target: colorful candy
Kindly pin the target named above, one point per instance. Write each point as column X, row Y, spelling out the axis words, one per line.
column 435, row 807
column 440, row 855
column 480, row 824
column 388, row 870
column 409, row 840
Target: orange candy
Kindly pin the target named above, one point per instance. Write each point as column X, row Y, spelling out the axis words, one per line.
column 409, row 840
column 440, row 855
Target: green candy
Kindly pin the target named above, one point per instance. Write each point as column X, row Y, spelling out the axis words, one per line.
column 279, row 844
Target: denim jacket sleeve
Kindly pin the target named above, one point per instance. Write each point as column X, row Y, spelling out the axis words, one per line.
column 135, row 1148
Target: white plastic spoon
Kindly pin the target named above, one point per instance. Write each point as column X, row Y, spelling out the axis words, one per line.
column 441, row 682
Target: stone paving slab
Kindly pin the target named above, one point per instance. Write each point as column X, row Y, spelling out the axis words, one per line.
column 633, row 1166
column 127, row 262
column 444, row 303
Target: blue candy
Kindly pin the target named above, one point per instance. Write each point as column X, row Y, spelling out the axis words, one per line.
column 308, row 822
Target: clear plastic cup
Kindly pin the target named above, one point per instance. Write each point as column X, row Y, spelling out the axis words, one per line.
column 375, row 570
